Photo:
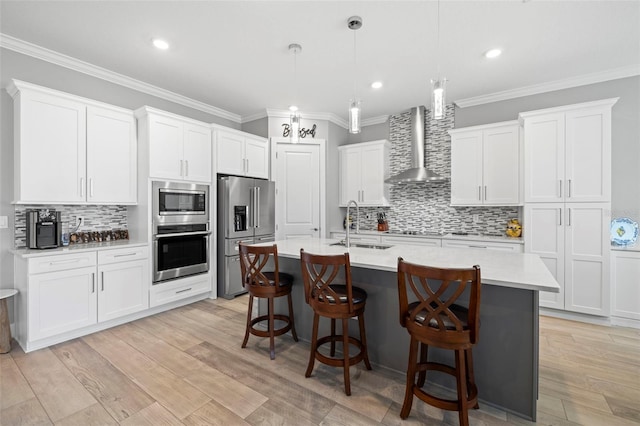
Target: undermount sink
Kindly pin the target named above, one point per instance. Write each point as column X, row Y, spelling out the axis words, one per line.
column 364, row 245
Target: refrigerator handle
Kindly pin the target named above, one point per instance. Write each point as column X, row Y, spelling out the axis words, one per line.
column 258, row 207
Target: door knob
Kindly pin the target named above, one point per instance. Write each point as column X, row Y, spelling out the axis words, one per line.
column 314, row 229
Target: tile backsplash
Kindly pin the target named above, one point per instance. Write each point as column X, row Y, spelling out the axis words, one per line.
column 424, row 206
column 95, row 218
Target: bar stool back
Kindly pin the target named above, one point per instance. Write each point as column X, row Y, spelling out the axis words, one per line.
column 330, row 299
column 435, row 319
column 269, row 285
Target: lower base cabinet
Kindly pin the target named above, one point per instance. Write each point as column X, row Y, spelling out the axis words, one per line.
column 625, row 273
column 66, row 292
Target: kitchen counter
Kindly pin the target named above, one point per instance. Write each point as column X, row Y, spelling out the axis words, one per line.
column 77, row 248
column 449, row 236
column 506, row 356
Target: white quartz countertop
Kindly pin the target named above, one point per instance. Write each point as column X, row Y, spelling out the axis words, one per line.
column 468, row 237
column 515, row 270
column 78, row 248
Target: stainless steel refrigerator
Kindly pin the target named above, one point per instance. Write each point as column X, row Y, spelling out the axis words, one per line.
column 246, row 212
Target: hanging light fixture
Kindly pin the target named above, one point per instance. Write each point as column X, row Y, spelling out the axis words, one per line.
column 354, row 23
column 294, row 117
column 438, row 86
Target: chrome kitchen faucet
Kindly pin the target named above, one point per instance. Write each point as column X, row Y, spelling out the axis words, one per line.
column 347, row 239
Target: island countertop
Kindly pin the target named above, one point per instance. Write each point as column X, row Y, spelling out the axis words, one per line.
column 514, row 270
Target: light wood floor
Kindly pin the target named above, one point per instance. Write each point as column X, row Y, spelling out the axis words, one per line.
column 186, row 367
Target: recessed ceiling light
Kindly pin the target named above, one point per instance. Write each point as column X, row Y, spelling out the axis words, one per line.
column 376, row 84
column 160, row 44
column 493, row 53
column 293, row 108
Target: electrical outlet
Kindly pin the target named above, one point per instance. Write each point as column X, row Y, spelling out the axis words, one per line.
column 476, row 218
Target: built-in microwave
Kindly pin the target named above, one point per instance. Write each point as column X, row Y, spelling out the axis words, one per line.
column 180, row 202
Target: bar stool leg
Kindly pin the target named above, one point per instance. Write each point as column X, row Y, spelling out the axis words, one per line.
column 345, row 352
column 293, row 324
column 246, row 333
column 422, row 375
column 333, row 334
column 470, row 377
column 272, row 345
column 461, row 379
column 314, row 345
column 363, row 339
column 5, row 331
column 411, row 375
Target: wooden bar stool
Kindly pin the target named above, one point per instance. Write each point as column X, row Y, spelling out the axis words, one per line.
column 5, row 330
column 335, row 301
column 268, row 285
column 434, row 319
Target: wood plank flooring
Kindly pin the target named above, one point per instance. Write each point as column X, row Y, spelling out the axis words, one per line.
column 186, row 367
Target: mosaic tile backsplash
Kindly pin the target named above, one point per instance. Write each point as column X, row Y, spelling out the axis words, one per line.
column 95, row 218
column 424, row 206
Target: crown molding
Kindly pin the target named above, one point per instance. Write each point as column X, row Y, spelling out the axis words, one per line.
column 309, row 115
column 39, row 52
column 583, row 80
column 375, row 120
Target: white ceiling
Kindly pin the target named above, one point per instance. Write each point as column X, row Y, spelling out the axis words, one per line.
column 233, row 54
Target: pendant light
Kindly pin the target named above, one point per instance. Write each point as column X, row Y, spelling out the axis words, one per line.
column 294, row 118
column 438, row 86
column 354, row 23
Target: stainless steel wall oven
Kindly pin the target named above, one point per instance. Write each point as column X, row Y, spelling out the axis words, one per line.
column 181, row 233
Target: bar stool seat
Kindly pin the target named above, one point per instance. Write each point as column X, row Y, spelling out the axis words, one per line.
column 435, row 320
column 334, row 301
column 268, row 285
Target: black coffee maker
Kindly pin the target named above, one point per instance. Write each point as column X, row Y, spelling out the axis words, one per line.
column 44, row 228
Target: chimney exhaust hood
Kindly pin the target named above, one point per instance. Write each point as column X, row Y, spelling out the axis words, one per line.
column 418, row 171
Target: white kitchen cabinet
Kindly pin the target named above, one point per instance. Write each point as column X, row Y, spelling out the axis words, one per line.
column 178, row 148
column 71, row 150
column 625, row 282
column 483, row 244
column 411, row 241
column 572, row 239
column 68, row 292
column 363, row 168
column 485, row 165
column 241, row 154
column 568, row 153
column 170, row 291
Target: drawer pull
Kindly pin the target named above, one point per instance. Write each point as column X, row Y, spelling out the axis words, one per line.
column 125, row 254
column 64, row 262
column 182, row 291
column 482, row 247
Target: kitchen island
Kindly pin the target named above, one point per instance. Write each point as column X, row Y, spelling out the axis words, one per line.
column 506, row 357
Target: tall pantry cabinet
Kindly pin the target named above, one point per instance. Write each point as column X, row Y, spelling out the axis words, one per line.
column 567, row 168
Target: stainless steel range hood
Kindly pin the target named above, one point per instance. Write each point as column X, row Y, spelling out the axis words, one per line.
column 418, row 171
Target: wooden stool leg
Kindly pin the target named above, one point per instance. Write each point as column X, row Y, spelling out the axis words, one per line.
column 246, row 333
column 470, row 377
column 411, row 375
column 314, row 345
column 333, row 333
column 363, row 339
column 5, row 330
column 293, row 324
column 422, row 375
column 345, row 352
column 271, row 322
column 461, row 379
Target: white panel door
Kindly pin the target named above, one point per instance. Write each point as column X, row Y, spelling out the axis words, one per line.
column 587, row 258
column 111, row 156
column 501, row 166
column 197, row 153
column 297, row 171
column 166, row 150
column 52, row 166
column 256, row 152
column 466, row 168
column 62, row 301
column 544, row 236
column 544, row 158
column 123, row 289
column 230, row 153
column 588, row 155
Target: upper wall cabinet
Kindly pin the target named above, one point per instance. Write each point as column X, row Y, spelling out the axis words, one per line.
column 178, row 148
column 568, row 153
column 241, row 154
column 363, row 169
column 71, row 150
column 485, row 165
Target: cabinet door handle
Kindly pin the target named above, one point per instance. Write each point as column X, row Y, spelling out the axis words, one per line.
column 362, row 198
column 569, row 217
column 560, row 188
column 560, row 217
column 63, row 262
column 247, row 165
column 102, row 280
column 91, row 187
column 485, row 193
column 181, row 168
column 81, row 187
column 569, row 189
column 93, row 282
column 186, row 168
column 479, row 193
